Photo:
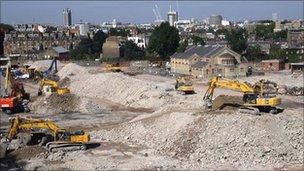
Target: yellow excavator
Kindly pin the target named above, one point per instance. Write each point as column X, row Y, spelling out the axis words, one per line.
column 29, row 131
column 255, row 98
column 54, row 87
column 183, row 84
column 113, row 67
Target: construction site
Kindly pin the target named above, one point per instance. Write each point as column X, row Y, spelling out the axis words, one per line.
column 106, row 117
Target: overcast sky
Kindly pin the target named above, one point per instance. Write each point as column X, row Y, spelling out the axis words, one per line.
column 13, row 12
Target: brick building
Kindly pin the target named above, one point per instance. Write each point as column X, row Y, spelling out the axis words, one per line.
column 208, row 61
column 111, row 49
column 35, row 45
column 273, row 65
column 59, row 52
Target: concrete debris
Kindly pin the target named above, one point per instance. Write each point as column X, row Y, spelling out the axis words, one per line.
column 142, row 123
column 54, row 104
column 43, row 65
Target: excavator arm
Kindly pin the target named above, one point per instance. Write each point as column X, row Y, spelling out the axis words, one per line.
column 54, row 85
column 218, row 82
column 19, row 123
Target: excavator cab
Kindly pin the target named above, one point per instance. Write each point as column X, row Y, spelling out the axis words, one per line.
column 255, row 97
column 183, row 84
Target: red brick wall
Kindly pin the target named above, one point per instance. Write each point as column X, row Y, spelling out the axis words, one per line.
column 272, row 66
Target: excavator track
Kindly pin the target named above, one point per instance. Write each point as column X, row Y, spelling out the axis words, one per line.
column 249, row 110
column 233, row 102
column 63, row 146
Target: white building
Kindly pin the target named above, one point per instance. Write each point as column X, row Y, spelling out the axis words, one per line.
column 172, row 17
column 140, row 41
column 225, row 23
column 183, row 24
column 83, row 29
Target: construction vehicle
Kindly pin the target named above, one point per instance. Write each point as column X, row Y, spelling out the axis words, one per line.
column 50, row 69
column 29, row 131
column 255, row 98
column 52, row 86
column 113, row 67
column 49, row 73
column 183, row 84
column 14, row 99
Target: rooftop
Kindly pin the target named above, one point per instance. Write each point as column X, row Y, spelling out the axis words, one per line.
column 203, row 51
column 60, row 49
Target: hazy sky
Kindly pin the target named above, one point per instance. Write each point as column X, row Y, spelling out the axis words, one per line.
column 141, row 11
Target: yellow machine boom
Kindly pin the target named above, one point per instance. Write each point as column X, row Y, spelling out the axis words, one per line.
column 253, row 96
column 61, row 138
column 54, row 85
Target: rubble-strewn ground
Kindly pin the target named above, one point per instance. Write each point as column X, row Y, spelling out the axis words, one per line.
column 141, row 122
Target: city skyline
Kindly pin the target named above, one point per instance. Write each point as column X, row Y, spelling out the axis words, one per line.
column 14, row 12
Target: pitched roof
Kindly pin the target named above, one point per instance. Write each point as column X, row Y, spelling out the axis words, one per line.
column 199, row 64
column 203, row 51
column 60, row 49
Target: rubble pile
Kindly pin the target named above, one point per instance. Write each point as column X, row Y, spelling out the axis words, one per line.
column 293, row 91
column 43, row 65
column 55, row 104
column 124, row 89
column 217, row 140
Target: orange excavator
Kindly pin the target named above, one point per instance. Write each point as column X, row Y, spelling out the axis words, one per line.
column 14, row 99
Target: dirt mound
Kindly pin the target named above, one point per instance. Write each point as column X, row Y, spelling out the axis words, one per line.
column 55, row 103
column 71, row 69
column 27, row 152
column 217, row 140
column 65, row 82
column 227, row 102
column 43, row 65
column 123, row 89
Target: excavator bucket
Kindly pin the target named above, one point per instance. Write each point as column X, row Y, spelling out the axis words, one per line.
column 227, row 102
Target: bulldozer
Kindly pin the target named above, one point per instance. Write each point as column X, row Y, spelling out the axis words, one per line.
column 113, row 67
column 30, row 131
column 53, row 87
column 184, row 85
column 255, row 99
column 15, row 98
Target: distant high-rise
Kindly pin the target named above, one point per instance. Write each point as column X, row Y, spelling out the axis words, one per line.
column 215, row 20
column 275, row 16
column 67, row 17
column 172, row 17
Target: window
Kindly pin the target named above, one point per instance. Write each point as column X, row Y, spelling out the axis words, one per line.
column 231, row 70
column 212, row 71
column 207, row 71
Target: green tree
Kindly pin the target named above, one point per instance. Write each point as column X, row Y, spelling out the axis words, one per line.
column 264, row 31
column 276, row 52
column 254, row 53
column 237, row 39
column 198, row 40
column 6, row 28
column 164, row 40
column 89, row 48
column 118, row 32
column 98, row 40
column 132, row 52
column 280, row 35
column 182, row 46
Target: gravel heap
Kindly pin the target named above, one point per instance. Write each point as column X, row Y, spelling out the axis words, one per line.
column 124, row 89
column 222, row 140
column 43, row 65
column 281, row 79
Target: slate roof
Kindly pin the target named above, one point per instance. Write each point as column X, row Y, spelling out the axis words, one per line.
column 202, row 51
column 199, row 64
column 60, row 49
